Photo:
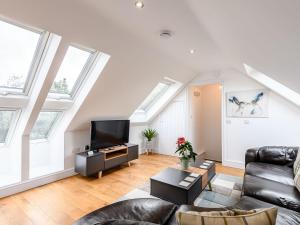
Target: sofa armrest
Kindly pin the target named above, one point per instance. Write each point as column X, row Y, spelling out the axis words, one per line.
column 251, row 155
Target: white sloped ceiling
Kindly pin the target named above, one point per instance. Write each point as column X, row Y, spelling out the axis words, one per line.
column 264, row 34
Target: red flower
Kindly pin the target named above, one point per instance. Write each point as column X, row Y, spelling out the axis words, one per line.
column 180, row 141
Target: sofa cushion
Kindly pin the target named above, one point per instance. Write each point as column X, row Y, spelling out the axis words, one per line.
column 186, row 208
column 230, row 217
column 286, row 196
column 279, row 155
column 284, row 216
column 279, row 173
column 148, row 210
column 297, row 180
column 297, row 164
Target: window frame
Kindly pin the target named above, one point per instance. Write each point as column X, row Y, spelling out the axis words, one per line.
column 169, row 84
column 12, row 126
column 81, row 77
column 52, row 127
column 140, row 116
column 35, row 62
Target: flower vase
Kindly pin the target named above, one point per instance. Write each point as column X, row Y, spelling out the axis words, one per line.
column 185, row 163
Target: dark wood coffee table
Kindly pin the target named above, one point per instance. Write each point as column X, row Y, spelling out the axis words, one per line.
column 165, row 185
column 207, row 174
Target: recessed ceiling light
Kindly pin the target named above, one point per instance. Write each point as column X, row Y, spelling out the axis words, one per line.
column 192, row 51
column 139, row 4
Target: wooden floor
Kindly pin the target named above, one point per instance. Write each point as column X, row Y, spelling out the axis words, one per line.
column 65, row 201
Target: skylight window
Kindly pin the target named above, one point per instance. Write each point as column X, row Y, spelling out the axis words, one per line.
column 6, row 118
column 71, row 72
column 18, row 47
column 273, row 85
column 158, row 98
column 44, row 124
column 160, row 89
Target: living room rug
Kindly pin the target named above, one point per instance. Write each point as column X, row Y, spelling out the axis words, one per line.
column 226, row 191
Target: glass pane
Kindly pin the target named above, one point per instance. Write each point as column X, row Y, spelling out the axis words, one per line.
column 17, row 48
column 5, row 121
column 43, row 125
column 69, row 71
column 156, row 93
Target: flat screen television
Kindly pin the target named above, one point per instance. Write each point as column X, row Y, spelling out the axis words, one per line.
column 109, row 133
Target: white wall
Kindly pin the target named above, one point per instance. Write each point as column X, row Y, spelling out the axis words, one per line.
column 194, row 117
column 75, row 142
column 170, row 124
column 282, row 127
column 205, row 119
column 136, row 137
column 211, row 122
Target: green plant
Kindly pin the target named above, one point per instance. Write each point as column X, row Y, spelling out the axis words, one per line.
column 185, row 149
column 149, row 134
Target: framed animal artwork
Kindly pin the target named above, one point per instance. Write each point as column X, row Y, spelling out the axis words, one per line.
column 253, row 103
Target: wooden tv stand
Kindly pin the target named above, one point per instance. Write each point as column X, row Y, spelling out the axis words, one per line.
column 114, row 152
column 104, row 159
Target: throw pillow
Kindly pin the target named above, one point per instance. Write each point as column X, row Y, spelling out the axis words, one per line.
column 297, row 180
column 297, row 163
column 239, row 217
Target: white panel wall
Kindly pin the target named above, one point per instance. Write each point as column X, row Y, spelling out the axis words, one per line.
column 170, row 124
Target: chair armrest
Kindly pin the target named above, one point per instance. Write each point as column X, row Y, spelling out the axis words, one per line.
column 251, row 156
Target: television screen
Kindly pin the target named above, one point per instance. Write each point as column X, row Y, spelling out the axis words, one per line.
column 108, row 133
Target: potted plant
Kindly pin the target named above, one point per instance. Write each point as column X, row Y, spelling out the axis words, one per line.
column 149, row 134
column 185, row 151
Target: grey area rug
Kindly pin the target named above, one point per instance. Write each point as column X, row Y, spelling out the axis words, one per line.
column 226, row 191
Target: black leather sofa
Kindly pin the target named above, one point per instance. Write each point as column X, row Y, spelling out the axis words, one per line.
column 268, row 182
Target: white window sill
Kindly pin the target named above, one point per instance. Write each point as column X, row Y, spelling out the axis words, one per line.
column 38, row 141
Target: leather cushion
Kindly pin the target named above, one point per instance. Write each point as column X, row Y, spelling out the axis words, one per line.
column 284, row 216
column 278, row 173
column 144, row 209
column 273, row 192
column 278, row 155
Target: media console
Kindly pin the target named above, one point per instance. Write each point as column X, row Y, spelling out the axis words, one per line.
column 104, row 159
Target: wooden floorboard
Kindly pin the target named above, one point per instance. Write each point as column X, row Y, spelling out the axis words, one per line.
column 64, row 201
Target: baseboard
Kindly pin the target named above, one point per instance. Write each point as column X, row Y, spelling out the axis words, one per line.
column 36, row 182
column 234, row 164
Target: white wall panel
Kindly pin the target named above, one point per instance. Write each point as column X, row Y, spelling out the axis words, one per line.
column 171, row 124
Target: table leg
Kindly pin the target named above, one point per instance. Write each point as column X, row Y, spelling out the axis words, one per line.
column 209, row 186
